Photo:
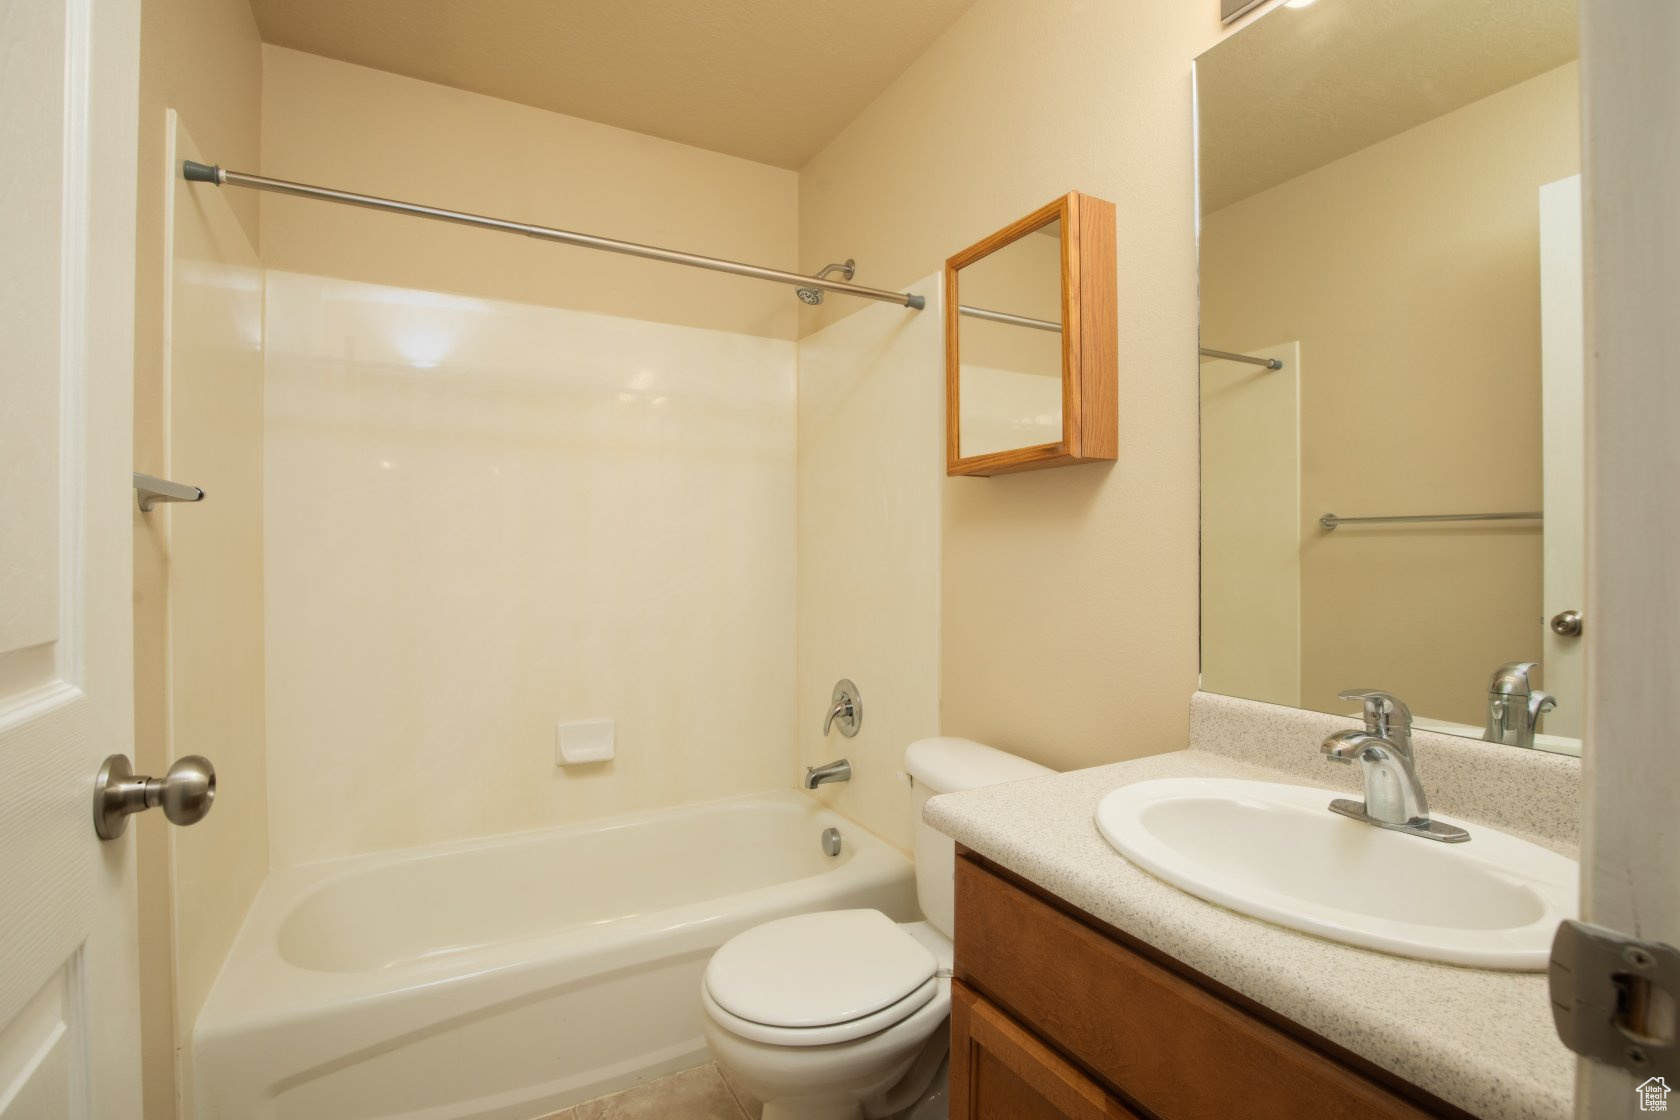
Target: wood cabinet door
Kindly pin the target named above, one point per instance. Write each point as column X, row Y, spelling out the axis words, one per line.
column 1000, row 1071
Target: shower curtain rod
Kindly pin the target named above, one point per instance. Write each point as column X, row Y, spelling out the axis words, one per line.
column 1269, row 363
column 1010, row 318
column 1050, row 325
column 208, row 173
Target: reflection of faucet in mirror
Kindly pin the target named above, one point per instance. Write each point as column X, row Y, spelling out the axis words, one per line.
column 1514, row 706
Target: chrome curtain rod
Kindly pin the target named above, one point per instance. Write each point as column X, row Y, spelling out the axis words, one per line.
column 1330, row 520
column 1269, row 363
column 1012, row 320
column 207, row 173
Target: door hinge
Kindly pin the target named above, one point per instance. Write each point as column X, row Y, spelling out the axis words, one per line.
column 1614, row 998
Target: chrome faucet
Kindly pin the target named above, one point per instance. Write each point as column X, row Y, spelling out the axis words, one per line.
column 837, row 771
column 1514, row 706
column 1394, row 796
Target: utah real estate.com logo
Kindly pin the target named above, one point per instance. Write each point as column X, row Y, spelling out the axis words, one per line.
column 1653, row 1095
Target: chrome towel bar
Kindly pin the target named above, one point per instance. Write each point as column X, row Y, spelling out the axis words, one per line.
column 1330, row 520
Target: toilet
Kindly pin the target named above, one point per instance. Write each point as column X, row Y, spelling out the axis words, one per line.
column 843, row 1014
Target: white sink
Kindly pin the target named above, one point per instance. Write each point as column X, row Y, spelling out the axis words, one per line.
column 1276, row 852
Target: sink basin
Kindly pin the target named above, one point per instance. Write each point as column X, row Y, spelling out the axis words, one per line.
column 1276, row 852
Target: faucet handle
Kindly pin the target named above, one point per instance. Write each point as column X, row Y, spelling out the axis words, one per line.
column 1381, row 709
column 1511, row 678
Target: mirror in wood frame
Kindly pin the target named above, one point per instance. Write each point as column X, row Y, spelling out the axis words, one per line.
column 1030, row 343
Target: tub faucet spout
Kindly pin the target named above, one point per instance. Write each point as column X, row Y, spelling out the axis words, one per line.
column 837, row 771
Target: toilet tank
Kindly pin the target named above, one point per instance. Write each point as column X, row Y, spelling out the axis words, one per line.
column 947, row 765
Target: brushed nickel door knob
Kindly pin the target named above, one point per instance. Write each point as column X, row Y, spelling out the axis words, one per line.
column 186, row 793
column 1567, row 624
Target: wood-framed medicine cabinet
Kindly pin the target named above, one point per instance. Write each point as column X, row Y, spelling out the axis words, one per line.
column 1031, row 349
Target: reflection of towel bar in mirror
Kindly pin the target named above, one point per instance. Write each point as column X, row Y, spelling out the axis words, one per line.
column 1012, row 320
column 1269, row 363
column 150, row 490
column 1330, row 520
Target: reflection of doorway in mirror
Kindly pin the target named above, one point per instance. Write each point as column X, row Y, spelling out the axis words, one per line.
column 1251, row 527
column 1563, row 671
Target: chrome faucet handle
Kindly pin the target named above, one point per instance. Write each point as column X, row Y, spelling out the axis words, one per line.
column 1512, row 678
column 1386, row 715
column 845, row 708
column 841, row 710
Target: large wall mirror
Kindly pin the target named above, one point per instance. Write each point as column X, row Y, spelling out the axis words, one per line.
column 1391, row 325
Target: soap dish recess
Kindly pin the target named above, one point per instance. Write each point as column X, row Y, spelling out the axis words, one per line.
column 583, row 741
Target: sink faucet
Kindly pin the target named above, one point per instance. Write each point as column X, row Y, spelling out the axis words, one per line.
column 1394, row 796
column 837, row 771
column 1514, row 706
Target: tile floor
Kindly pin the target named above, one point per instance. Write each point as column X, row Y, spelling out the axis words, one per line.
column 700, row 1093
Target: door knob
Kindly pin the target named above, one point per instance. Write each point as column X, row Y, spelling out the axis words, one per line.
column 1567, row 624
column 185, row 793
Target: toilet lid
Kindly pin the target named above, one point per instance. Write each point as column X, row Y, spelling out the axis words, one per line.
column 814, row 970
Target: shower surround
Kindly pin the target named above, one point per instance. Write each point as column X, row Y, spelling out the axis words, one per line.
column 485, row 517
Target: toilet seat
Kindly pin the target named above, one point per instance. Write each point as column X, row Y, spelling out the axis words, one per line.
column 817, row 979
column 886, row 1018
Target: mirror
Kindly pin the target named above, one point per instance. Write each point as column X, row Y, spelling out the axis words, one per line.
column 1390, row 277
column 1030, row 343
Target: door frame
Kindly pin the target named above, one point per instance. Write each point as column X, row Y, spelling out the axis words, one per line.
column 1630, row 858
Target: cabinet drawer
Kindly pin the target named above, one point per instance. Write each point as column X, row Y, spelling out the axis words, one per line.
column 1165, row 1043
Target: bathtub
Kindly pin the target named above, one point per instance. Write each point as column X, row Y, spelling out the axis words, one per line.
column 506, row 978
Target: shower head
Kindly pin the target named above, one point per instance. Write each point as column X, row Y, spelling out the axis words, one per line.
column 814, row 296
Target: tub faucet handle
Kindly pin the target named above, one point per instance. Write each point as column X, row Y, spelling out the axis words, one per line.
column 845, row 708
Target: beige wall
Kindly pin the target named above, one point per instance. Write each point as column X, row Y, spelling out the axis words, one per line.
column 338, row 125
column 1420, row 338
column 1068, row 601
column 870, row 470
column 203, row 58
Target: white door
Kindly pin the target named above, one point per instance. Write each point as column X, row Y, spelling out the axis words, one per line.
column 1563, row 425
column 1630, row 852
column 69, row 1033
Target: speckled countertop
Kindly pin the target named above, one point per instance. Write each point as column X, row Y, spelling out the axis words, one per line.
column 1481, row 1040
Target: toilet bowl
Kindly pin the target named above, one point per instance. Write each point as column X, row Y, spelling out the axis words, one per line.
column 843, row 1014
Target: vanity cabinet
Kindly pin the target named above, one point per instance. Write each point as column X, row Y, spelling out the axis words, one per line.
column 1055, row 1014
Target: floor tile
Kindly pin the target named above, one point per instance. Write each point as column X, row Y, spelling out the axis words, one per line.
column 751, row 1105
column 693, row 1094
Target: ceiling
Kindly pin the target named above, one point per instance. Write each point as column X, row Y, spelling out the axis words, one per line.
column 768, row 80
column 1301, row 87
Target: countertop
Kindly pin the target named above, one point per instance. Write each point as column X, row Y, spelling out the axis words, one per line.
column 1478, row 1039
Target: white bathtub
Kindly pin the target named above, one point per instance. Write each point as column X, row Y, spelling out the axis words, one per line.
column 503, row 979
